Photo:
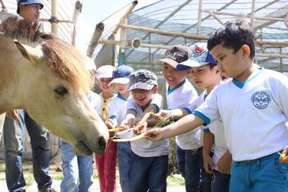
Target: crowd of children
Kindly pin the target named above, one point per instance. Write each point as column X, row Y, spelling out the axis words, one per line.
column 227, row 139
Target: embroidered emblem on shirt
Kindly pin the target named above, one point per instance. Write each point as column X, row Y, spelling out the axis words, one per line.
column 261, row 99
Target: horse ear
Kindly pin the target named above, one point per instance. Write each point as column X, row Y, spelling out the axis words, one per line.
column 30, row 53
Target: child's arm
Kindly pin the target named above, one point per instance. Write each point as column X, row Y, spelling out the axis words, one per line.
column 183, row 125
column 224, row 163
column 130, row 119
column 208, row 142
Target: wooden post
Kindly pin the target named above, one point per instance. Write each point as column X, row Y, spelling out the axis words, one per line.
column 99, row 28
column 77, row 11
column 54, row 27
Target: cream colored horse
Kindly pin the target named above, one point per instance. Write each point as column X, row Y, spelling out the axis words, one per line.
column 50, row 82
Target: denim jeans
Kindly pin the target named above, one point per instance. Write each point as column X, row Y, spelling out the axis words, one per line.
column 221, row 182
column 13, row 134
column 189, row 164
column 265, row 174
column 124, row 153
column 148, row 173
column 77, row 170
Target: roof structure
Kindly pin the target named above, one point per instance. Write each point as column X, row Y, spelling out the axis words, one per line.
column 169, row 22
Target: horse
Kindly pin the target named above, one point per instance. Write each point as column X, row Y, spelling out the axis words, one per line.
column 48, row 79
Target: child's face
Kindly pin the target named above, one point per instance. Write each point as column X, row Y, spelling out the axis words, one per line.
column 172, row 76
column 205, row 76
column 122, row 89
column 234, row 64
column 103, row 84
column 142, row 97
column 30, row 12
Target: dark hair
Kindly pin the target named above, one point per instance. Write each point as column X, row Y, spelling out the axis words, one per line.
column 234, row 35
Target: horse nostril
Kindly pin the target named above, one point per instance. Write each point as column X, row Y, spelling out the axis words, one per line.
column 101, row 143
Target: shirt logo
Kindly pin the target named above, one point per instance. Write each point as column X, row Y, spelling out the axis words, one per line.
column 261, row 99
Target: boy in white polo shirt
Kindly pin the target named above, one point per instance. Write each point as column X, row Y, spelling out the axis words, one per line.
column 180, row 93
column 253, row 107
column 149, row 160
column 120, row 79
column 206, row 75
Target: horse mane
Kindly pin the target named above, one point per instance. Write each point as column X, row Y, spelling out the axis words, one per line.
column 62, row 58
column 66, row 61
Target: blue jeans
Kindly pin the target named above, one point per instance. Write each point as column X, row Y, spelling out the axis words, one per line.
column 77, row 170
column 265, row 174
column 221, row 182
column 189, row 164
column 124, row 154
column 13, row 134
column 148, row 173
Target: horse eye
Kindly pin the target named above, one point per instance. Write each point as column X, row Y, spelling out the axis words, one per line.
column 61, row 90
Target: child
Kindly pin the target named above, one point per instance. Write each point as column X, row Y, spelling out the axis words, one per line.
column 106, row 163
column 149, row 160
column 180, row 93
column 120, row 79
column 253, row 108
column 206, row 76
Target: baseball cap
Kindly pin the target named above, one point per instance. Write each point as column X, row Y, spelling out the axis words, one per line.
column 121, row 74
column 200, row 56
column 142, row 79
column 176, row 54
column 105, row 71
column 28, row 2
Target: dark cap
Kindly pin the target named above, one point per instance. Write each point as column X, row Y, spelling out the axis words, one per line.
column 176, row 54
column 28, row 2
column 142, row 79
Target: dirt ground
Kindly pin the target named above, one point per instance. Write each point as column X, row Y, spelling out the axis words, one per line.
column 175, row 182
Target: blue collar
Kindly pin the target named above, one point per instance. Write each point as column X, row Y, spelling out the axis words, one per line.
column 170, row 90
column 240, row 84
column 121, row 97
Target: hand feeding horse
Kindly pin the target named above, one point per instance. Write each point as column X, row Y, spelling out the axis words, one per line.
column 49, row 80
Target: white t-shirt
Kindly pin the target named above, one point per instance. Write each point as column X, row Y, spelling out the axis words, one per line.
column 144, row 147
column 181, row 97
column 253, row 114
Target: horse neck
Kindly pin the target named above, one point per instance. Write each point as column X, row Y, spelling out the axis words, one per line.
column 15, row 67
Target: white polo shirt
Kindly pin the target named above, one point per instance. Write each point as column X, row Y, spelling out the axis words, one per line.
column 253, row 114
column 144, row 147
column 118, row 109
column 182, row 96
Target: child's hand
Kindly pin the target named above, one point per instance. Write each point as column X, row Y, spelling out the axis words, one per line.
column 284, row 155
column 208, row 163
column 224, row 163
column 14, row 115
column 154, row 134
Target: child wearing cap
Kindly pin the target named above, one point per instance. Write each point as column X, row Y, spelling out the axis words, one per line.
column 206, row 76
column 149, row 160
column 180, row 94
column 120, row 79
column 106, row 163
column 253, row 108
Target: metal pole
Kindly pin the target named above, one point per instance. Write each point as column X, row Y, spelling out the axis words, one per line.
column 199, row 16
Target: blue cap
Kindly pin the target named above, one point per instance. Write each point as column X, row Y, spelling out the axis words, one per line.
column 121, row 74
column 28, row 2
column 142, row 79
column 200, row 56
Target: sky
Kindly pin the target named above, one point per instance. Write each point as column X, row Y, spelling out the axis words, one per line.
column 94, row 12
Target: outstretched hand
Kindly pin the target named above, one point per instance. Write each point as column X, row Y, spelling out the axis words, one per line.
column 154, row 134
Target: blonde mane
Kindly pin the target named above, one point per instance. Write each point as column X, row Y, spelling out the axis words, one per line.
column 63, row 59
column 66, row 61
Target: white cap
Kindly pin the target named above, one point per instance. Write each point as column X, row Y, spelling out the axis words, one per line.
column 105, row 71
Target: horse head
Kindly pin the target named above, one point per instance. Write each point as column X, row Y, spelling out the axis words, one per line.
column 49, row 80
